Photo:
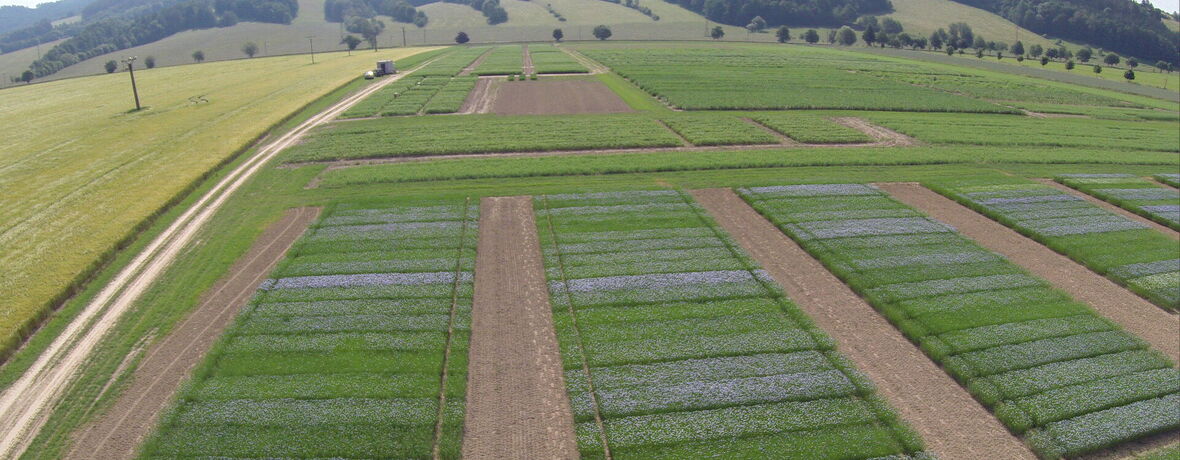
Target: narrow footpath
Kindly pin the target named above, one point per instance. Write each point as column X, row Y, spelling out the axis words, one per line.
column 953, row 424
column 516, row 401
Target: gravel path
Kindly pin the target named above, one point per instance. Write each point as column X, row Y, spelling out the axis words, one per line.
column 120, row 430
column 1138, row 316
column 516, row 401
column 1112, row 208
column 953, row 424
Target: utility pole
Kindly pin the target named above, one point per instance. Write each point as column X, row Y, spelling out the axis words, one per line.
column 134, row 90
column 311, row 45
column 403, row 36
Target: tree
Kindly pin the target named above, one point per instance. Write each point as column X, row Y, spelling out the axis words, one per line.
column 369, row 29
column 462, row 38
column 351, row 41
column 979, row 43
column 1164, row 66
column 890, row 26
column 1035, row 51
column 602, row 32
column 1129, row 74
column 558, row 35
column 250, row 48
column 868, row 21
column 199, row 56
column 1018, row 48
column 869, row 36
column 846, row 36
column 950, row 51
column 717, row 33
column 150, row 62
column 111, row 66
column 936, row 39
column 1053, row 53
column 1085, row 54
column 979, row 52
column 1097, row 68
column 832, row 36
column 783, row 34
column 1111, row 59
column 1069, row 64
column 26, row 76
column 920, row 43
column 1020, row 58
column 1044, row 60
column 1132, row 63
column 811, row 36
column 757, row 24
column 999, row 55
column 961, row 36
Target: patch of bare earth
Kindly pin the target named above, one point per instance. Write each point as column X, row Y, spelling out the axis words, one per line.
column 516, row 401
column 556, row 97
column 883, row 136
column 953, row 424
column 1135, row 314
column 118, row 432
column 1112, row 208
column 479, row 100
column 526, row 66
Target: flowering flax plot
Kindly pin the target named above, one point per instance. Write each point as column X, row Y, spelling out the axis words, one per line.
column 342, row 353
column 678, row 346
column 1135, row 194
column 1126, row 251
column 1067, row 380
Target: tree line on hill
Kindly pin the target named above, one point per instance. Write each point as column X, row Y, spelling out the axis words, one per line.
column 786, row 12
column 399, row 10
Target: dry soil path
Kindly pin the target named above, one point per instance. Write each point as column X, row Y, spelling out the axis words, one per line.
column 25, row 405
column 516, row 401
column 953, row 424
column 526, row 66
column 120, row 430
column 1135, row 314
column 474, row 64
column 1112, row 208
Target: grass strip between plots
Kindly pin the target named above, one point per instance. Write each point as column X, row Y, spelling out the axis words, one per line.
column 347, row 350
column 676, row 345
column 1067, row 380
column 1135, row 194
column 1126, row 251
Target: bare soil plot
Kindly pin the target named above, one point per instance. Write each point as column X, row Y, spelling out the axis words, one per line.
column 556, row 97
column 479, row 100
column 1112, row 208
column 953, row 424
column 120, row 430
column 516, row 401
column 1135, row 314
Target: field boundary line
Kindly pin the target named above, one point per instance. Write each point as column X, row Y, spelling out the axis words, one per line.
column 170, row 376
column 1161, row 184
column 683, row 140
column 782, row 138
column 883, row 136
column 1133, row 313
column 526, row 61
column 435, row 448
column 593, row 66
column 25, row 405
column 578, row 332
column 950, row 420
column 471, row 66
column 1110, row 207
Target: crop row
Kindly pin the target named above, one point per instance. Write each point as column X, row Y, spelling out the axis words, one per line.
column 342, row 353
column 548, row 59
column 1135, row 194
column 1123, row 250
column 1169, row 179
column 503, row 60
column 453, row 63
column 683, row 348
column 766, row 78
column 450, row 98
column 979, row 129
column 810, row 128
column 1066, row 379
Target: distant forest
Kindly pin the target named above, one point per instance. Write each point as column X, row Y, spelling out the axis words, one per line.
column 789, row 12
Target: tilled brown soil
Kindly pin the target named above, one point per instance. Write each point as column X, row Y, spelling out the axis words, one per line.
column 1135, row 314
column 118, row 432
column 556, row 97
column 1112, row 208
column 516, row 401
column 953, row 424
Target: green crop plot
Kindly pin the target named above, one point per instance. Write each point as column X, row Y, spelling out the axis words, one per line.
column 453, row 62
column 342, row 352
column 716, row 129
column 1105, row 113
column 450, row 98
column 479, row 134
column 548, row 59
column 977, row 129
column 690, row 350
column 503, row 60
column 1135, row 194
column 750, row 77
column 1067, row 380
column 1123, row 250
column 999, row 89
column 810, row 128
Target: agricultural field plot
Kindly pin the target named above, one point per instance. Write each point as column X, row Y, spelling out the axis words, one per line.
column 555, row 96
column 1005, row 88
column 683, row 347
column 1105, row 113
column 1126, row 251
column 1135, row 194
column 760, row 77
column 548, row 59
column 453, row 63
column 502, row 60
column 1168, row 179
column 716, row 129
column 450, row 98
column 478, row 134
column 810, row 128
column 980, row 129
column 1065, row 379
column 347, row 350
